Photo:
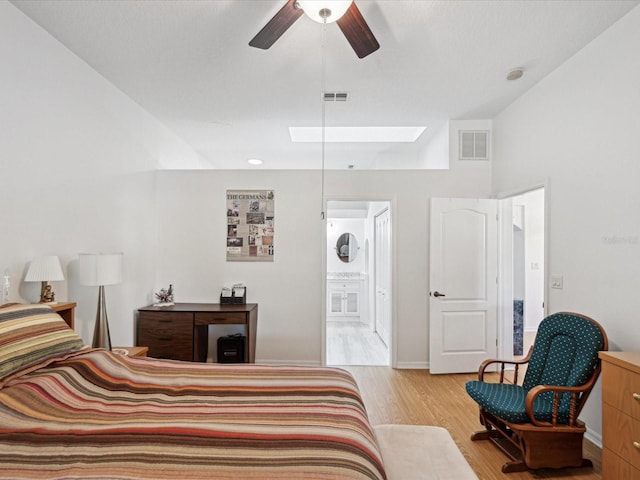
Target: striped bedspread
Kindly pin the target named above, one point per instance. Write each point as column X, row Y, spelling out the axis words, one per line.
column 99, row 415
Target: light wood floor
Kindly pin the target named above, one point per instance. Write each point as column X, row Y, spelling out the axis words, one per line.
column 353, row 343
column 416, row 397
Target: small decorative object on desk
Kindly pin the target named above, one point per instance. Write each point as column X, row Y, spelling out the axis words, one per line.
column 234, row 295
column 165, row 297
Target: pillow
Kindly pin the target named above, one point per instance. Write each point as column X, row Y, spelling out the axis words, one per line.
column 30, row 334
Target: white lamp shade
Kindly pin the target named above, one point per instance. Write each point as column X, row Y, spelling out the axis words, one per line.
column 44, row 269
column 100, row 268
column 312, row 9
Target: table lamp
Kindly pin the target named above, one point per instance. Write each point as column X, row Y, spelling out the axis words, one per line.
column 45, row 269
column 100, row 269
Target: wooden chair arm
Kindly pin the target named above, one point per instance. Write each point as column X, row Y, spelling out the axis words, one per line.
column 491, row 361
column 577, row 393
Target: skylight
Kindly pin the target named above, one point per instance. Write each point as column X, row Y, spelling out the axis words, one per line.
column 356, row 134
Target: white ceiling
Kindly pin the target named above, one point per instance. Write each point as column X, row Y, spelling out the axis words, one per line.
column 189, row 64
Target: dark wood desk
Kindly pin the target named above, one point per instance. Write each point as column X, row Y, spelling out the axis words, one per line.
column 180, row 331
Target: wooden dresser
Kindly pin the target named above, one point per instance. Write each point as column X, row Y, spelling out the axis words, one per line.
column 620, row 415
column 180, row 331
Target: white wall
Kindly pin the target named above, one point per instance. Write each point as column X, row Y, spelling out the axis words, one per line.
column 436, row 153
column 77, row 161
column 579, row 128
column 191, row 209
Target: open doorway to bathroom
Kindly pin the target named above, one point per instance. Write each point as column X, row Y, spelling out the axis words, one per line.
column 358, row 283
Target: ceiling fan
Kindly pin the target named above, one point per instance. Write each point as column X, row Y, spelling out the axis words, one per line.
column 345, row 13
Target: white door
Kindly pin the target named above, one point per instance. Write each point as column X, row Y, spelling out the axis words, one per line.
column 383, row 275
column 463, row 284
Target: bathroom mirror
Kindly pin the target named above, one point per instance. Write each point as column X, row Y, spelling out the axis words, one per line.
column 347, row 247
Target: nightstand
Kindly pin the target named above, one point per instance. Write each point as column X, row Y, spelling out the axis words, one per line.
column 134, row 351
column 66, row 310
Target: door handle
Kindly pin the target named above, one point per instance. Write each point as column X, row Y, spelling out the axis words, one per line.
column 438, row 294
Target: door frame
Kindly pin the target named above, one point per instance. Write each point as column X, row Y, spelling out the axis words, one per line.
column 505, row 265
column 391, row 200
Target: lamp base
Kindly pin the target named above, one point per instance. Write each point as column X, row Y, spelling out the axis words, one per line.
column 47, row 295
column 101, row 337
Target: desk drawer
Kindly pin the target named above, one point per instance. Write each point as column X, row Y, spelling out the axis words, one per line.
column 167, row 334
column 220, row 318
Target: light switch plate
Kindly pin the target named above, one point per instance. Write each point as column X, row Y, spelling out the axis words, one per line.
column 556, row 281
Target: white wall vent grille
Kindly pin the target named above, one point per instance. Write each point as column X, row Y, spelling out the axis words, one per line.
column 335, row 96
column 474, row 145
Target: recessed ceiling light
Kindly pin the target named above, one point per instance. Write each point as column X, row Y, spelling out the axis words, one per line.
column 515, row 74
column 254, row 161
column 356, row 134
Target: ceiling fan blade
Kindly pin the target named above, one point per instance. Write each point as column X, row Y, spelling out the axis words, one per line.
column 357, row 31
column 279, row 24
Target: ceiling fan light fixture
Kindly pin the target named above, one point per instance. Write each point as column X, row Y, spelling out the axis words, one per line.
column 324, row 10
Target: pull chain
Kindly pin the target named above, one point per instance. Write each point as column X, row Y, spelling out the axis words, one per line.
column 323, row 80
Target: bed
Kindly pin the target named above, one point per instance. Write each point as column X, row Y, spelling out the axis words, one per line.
column 69, row 411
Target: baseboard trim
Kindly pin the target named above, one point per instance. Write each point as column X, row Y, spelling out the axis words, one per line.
column 312, row 363
column 412, row 365
column 593, row 437
column 303, row 363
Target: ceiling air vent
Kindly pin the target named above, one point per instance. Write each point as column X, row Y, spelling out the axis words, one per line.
column 474, row 145
column 335, row 96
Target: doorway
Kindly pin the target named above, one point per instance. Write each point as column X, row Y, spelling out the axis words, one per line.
column 523, row 256
column 466, row 229
column 358, row 283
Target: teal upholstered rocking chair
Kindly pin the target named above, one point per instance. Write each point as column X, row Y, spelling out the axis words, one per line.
column 536, row 424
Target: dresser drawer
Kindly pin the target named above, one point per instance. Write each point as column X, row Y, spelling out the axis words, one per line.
column 168, row 335
column 621, row 389
column 621, row 434
column 220, row 318
column 615, row 468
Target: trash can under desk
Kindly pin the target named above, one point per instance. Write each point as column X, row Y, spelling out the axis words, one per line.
column 231, row 348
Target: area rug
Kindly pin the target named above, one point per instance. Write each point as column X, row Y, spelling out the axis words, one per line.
column 417, row 452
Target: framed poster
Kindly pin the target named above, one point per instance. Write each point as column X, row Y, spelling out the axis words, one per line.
column 250, row 216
